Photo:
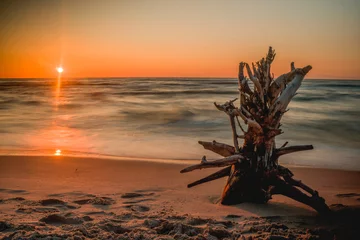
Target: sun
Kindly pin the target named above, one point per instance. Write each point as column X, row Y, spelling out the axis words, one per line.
column 59, row 69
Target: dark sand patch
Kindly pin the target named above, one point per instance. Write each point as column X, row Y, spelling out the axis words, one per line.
column 150, row 190
column 15, row 199
column 60, row 219
column 102, row 201
column 72, row 194
column 52, row 201
column 139, row 200
column 196, row 221
column 95, row 201
column 138, row 208
column 173, row 228
column 82, row 201
column 115, row 228
column 96, row 213
column 348, row 195
column 37, row 210
column 136, row 195
column 87, row 218
column 233, row 216
column 5, row 226
column 13, row 191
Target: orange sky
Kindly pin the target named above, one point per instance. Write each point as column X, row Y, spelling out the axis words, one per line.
column 177, row 38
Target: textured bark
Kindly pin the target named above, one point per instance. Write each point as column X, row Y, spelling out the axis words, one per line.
column 219, row 148
column 219, row 174
column 253, row 170
column 217, row 163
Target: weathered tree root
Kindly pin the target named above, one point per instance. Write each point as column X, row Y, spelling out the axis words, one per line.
column 289, row 190
column 253, row 172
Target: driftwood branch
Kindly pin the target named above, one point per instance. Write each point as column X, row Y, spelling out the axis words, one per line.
column 288, row 93
column 219, row 148
column 301, row 185
column 227, row 108
column 251, row 123
column 292, row 66
column 284, row 145
column 216, row 163
column 284, row 172
column 252, row 169
column 286, row 189
column 219, row 174
column 256, row 82
column 287, row 150
column 243, row 85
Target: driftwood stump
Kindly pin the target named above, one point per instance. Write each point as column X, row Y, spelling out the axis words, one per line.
column 253, row 171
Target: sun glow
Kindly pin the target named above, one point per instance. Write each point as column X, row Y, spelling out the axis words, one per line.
column 59, row 69
column 57, row 152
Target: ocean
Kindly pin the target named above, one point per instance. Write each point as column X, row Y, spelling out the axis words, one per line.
column 163, row 118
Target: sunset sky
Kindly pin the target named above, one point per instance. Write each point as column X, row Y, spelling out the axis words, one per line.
column 176, row 38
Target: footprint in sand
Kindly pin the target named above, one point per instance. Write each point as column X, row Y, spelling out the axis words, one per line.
column 51, row 201
column 138, row 195
column 57, row 203
column 60, row 219
column 137, row 208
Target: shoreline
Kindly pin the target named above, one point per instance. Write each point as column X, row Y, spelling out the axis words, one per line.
column 154, row 160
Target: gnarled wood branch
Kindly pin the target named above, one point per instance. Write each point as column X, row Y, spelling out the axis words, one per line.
column 284, row 99
column 256, row 128
column 256, row 83
column 291, row 149
column 243, row 85
column 219, row 148
column 286, row 189
column 279, row 84
column 301, row 185
column 253, row 170
column 216, row 163
column 219, row 174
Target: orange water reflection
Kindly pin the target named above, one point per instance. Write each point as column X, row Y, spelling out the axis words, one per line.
column 57, row 92
column 59, row 135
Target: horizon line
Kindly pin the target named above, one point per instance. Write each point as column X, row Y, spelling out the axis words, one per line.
column 43, row 78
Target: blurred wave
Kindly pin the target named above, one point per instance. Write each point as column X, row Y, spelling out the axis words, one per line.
column 165, row 117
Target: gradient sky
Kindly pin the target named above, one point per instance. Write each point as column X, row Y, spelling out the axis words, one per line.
column 177, row 38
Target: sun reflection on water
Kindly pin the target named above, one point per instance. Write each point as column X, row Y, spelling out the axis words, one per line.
column 57, row 152
column 57, row 92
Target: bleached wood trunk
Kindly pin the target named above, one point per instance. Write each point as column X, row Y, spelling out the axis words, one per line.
column 252, row 169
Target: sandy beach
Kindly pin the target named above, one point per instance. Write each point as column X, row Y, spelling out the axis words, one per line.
column 87, row 198
column 185, row 120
